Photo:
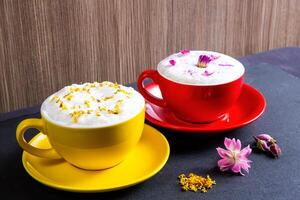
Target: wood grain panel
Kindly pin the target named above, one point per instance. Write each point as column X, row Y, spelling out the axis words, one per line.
column 47, row 44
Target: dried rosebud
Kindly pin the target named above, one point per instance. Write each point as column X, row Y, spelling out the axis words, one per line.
column 275, row 150
column 266, row 138
column 203, row 61
column 262, row 145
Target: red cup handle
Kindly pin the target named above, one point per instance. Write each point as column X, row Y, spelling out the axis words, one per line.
column 152, row 74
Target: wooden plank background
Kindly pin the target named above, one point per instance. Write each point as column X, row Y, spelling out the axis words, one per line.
column 47, row 44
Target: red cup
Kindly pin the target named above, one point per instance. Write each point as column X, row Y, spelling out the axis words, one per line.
column 193, row 103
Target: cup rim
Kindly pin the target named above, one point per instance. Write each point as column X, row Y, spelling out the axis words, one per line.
column 92, row 127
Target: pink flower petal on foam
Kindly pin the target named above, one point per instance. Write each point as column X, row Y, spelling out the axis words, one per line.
column 172, row 62
column 224, row 65
column 207, row 73
column 213, row 57
column 185, row 51
column 190, row 72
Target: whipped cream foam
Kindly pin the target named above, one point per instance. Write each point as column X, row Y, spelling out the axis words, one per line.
column 92, row 105
column 183, row 67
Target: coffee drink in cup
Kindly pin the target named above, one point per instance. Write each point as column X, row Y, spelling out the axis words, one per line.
column 92, row 105
column 198, row 86
column 92, row 125
column 217, row 69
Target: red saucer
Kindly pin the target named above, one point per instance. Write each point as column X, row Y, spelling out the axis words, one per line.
column 249, row 107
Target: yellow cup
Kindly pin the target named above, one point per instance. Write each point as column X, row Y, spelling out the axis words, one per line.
column 87, row 148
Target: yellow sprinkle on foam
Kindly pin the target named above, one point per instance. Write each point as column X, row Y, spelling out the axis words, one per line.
column 77, row 112
column 54, row 98
column 63, row 106
column 69, row 96
column 108, row 97
column 87, row 103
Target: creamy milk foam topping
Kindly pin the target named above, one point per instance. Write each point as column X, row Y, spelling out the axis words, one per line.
column 200, row 68
column 92, row 105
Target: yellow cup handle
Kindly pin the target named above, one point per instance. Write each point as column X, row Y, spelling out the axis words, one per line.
column 40, row 125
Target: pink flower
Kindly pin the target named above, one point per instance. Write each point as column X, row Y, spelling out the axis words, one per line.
column 203, row 61
column 172, row 62
column 185, row 51
column 234, row 158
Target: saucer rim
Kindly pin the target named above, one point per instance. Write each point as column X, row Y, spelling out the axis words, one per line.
column 43, row 180
column 258, row 113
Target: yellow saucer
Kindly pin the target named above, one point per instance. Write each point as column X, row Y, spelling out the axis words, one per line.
column 150, row 155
